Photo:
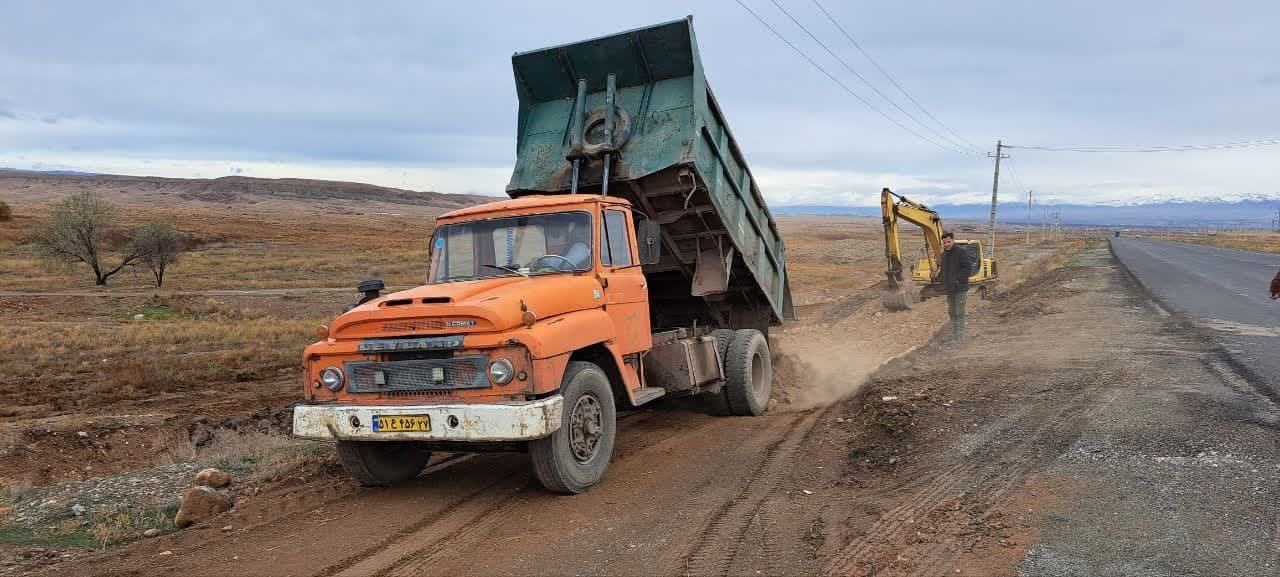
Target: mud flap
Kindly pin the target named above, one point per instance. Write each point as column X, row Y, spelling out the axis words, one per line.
column 711, row 276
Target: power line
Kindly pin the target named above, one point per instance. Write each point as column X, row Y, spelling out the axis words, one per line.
column 1014, row 173
column 1256, row 143
column 890, row 78
column 837, row 80
column 945, row 138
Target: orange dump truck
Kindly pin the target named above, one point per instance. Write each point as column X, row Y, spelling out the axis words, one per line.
column 635, row 260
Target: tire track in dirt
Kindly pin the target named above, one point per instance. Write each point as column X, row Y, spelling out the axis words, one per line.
column 418, row 548
column 460, row 522
column 483, row 500
column 980, row 480
column 719, row 542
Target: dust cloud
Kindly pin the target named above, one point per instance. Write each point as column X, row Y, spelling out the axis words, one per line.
column 822, row 374
column 816, row 363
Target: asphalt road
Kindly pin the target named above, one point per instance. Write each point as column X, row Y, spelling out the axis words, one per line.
column 1223, row 290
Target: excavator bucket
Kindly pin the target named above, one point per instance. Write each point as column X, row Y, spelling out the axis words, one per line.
column 899, row 298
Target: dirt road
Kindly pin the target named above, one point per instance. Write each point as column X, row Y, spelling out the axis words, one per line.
column 1077, row 432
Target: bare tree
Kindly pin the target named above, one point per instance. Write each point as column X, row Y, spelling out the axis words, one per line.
column 80, row 230
column 159, row 245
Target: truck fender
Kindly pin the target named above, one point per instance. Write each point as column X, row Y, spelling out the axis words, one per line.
column 623, row 378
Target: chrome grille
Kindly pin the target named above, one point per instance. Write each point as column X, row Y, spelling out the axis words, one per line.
column 462, row 372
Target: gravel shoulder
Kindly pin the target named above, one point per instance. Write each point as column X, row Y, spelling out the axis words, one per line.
column 1077, row 433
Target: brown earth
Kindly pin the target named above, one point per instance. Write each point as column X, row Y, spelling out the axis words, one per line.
column 1080, row 430
column 687, row 492
column 953, row 460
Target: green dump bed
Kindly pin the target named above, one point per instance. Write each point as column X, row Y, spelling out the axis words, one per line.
column 723, row 260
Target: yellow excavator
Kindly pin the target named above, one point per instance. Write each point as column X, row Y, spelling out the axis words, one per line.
column 902, row 292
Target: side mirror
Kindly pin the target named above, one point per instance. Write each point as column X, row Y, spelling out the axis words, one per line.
column 648, row 236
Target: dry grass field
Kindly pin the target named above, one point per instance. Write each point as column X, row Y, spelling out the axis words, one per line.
column 1259, row 241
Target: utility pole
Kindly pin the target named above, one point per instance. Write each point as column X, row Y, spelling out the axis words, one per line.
column 1028, row 216
column 1044, row 222
column 995, row 186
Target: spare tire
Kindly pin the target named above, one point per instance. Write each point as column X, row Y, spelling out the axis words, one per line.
column 595, row 120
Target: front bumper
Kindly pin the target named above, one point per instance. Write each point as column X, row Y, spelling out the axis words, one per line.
column 514, row 421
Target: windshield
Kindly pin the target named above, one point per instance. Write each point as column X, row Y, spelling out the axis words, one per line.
column 518, row 245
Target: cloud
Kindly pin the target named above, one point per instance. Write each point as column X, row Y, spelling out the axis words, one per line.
column 785, row 186
column 345, row 91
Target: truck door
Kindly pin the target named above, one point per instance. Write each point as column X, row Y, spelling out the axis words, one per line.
column 626, row 291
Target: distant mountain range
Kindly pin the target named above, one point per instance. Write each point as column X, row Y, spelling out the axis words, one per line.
column 1256, row 211
column 61, row 172
column 1251, row 211
column 238, row 192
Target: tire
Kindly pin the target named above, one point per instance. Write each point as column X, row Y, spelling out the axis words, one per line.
column 381, row 463
column 717, row 403
column 561, row 465
column 748, row 373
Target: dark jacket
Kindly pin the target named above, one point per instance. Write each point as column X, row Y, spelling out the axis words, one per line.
column 956, row 270
column 1275, row 285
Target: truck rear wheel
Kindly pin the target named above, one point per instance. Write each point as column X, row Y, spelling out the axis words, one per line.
column 381, row 463
column 717, row 403
column 575, row 457
column 748, row 373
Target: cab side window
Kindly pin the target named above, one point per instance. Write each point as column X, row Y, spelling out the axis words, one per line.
column 615, row 242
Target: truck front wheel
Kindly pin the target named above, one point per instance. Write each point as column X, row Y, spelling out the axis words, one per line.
column 574, row 458
column 748, row 373
column 381, row 463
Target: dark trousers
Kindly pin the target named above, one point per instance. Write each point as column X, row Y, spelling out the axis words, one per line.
column 955, row 309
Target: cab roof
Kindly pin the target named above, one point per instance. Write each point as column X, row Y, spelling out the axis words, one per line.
column 532, row 201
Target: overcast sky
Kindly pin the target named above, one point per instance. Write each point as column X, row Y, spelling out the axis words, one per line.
column 420, row 94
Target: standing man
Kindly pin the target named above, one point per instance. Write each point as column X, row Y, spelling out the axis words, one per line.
column 955, row 272
column 1275, row 287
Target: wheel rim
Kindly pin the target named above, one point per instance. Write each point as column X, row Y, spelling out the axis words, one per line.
column 759, row 380
column 586, row 427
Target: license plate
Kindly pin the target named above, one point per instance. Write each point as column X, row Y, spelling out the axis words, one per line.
column 401, row 423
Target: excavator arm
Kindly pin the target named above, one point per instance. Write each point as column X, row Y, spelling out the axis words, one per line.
column 915, row 213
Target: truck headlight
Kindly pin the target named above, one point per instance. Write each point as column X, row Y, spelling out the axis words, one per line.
column 332, row 378
column 501, row 371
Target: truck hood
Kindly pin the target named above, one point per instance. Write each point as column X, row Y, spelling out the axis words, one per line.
column 485, row 305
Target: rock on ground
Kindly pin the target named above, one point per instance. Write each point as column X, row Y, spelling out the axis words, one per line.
column 200, row 504
column 213, row 478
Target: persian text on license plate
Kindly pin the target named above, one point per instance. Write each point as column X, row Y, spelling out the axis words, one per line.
column 401, row 423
